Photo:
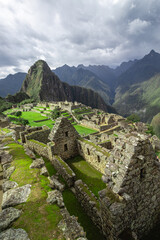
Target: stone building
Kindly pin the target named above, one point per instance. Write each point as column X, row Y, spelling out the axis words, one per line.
column 63, row 136
column 133, row 180
column 130, row 203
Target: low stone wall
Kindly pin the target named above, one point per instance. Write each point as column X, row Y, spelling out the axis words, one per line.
column 30, row 130
column 97, row 157
column 64, row 170
column 90, row 124
column 41, row 135
column 38, row 147
column 89, row 202
column 41, row 120
column 107, row 126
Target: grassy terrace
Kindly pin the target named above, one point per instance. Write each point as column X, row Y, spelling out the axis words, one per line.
column 37, row 217
column 74, row 208
column 87, row 173
column 34, row 116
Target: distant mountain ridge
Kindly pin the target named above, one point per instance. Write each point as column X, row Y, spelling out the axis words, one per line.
column 11, row 84
column 132, row 87
column 43, row 85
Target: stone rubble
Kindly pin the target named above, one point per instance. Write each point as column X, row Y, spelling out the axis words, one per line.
column 54, row 183
column 16, row 196
column 55, row 196
column 7, row 216
column 38, row 163
column 7, row 185
column 14, row 234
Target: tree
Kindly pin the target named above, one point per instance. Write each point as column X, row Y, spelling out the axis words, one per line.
column 18, row 114
column 55, row 113
column 133, row 117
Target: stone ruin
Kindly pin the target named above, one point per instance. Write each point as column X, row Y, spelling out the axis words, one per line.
column 130, row 202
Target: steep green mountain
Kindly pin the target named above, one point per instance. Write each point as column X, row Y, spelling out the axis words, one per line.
column 84, row 78
column 11, row 84
column 138, row 88
column 42, row 84
column 142, row 98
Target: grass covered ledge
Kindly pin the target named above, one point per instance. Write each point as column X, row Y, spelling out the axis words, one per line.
column 39, row 219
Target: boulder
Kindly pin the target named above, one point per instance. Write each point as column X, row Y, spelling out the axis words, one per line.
column 7, row 173
column 30, row 153
column 7, row 185
column 55, row 196
column 6, row 158
column 14, row 234
column 16, row 196
column 7, row 216
column 54, row 183
column 44, row 171
column 38, row 163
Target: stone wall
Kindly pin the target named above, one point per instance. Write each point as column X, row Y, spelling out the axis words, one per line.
column 37, row 147
column 133, row 174
column 89, row 202
column 90, row 124
column 64, row 170
column 40, row 135
column 30, row 130
column 107, row 126
column 97, row 157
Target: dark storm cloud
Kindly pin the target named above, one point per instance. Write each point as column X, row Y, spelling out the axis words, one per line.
column 72, row 32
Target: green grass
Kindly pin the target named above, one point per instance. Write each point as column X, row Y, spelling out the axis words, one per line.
column 87, row 173
column 37, row 216
column 75, row 208
column 83, row 130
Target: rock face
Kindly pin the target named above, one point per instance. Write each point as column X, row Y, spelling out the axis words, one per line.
column 42, row 84
column 38, row 163
column 8, row 172
column 16, row 196
column 55, row 196
column 54, row 183
column 7, row 216
column 7, row 185
column 14, row 234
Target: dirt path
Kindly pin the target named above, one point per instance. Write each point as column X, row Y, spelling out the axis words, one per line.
column 1, row 193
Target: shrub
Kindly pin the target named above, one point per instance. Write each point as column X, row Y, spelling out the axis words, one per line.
column 133, row 117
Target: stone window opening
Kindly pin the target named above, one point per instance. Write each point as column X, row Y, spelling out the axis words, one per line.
column 142, row 173
column 88, row 151
column 65, row 147
column 126, row 234
column 66, row 134
column 98, row 158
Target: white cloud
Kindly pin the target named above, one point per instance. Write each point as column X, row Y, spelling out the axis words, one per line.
column 72, row 32
column 138, row 26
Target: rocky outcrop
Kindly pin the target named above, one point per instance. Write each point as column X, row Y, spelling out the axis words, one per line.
column 54, row 183
column 16, row 196
column 14, row 234
column 70, row 227
column 8, row 172
column 42, row 84
column 7, row 185
column 38, row 163
column 44, row 171
column 55, row 196
column 7, row 216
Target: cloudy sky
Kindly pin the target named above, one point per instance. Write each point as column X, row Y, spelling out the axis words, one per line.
column 76, row 31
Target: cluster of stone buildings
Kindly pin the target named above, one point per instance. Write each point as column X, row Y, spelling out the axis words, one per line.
column 130, row 202
column 128, row 208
